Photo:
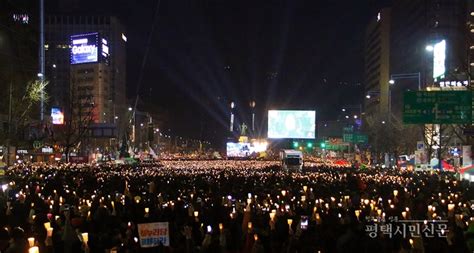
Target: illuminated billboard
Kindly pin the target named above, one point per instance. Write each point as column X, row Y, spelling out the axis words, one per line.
column 291, row 124
column 57, row 116
column 238, row 149
column 439, row 58
column 245, row 149
column 84, row 48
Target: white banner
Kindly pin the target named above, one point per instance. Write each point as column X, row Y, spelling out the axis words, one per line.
column 466, row 156
column 420, row 157
column 154, row 234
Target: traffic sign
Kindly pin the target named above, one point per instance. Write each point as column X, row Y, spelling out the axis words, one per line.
column 437, row 107
column 37, row 144
column 356, row 138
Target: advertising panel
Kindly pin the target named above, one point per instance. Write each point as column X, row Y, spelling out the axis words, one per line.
column 439, row 58
column 291, row 124
column 57, row 116
column 466, row 156
column 84, row 48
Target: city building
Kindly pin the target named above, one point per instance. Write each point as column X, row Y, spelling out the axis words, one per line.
column 428, row 46
column 470, row 39
column 101, row 74
column 377, row 64
column 412, row 45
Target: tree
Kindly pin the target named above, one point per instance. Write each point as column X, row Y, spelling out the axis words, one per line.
column 79, row 114
column 391, row 136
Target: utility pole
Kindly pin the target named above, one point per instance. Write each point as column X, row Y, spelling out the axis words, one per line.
column 9, row 122
column 41, row 58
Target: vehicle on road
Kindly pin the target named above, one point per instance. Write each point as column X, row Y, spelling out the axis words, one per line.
column 291, row 160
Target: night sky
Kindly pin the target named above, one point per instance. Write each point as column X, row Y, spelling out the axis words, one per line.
column 205, row 53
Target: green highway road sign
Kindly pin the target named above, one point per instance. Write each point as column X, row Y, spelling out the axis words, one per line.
column 356, row 138
column 437, row 107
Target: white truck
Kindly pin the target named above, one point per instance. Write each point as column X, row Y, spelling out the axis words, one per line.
column 291, row 160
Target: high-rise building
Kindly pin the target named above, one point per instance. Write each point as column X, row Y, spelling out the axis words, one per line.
column 377, row 63
column 470, row 39
column 414, row 27
column 417, row 26
column 103, row 77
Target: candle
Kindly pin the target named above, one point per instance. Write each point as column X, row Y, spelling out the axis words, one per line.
column 147, row 210
column 404, row 215
column 33, row 250
column 395, row 193
column 50, row 232
column 31, row 241
column 85, row 237
column 272, row 216
column 249, row 225
column 411, row 242
column 196, row 214
column 430, row 207
column 255, row 237
column 290, row 221
column 305, row 188
column 379, row 212
column 357, row 213
column 221, row 226
column 249, row 201
column 283, row 193
column 47, row 225
column 451, row 207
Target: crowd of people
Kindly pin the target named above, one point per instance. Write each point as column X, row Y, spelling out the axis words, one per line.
column 233, row 206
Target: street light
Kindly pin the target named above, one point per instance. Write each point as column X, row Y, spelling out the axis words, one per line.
column 343, row 109
column 393, row 77
column 368, row 96
column 429, row 48
column 129, row 109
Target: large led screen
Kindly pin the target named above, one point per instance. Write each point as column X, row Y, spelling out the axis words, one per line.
column 238, row 149
column 245, row 149
column 291, row 124
column 84, row 48
column 57, row 116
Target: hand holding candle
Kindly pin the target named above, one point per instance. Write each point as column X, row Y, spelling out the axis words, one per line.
column 85, row 237
column 31, row 241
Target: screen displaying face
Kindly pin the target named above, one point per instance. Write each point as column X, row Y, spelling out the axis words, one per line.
column 290, row 124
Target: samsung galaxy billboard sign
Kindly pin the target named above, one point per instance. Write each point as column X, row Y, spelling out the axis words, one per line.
column 84, row 48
